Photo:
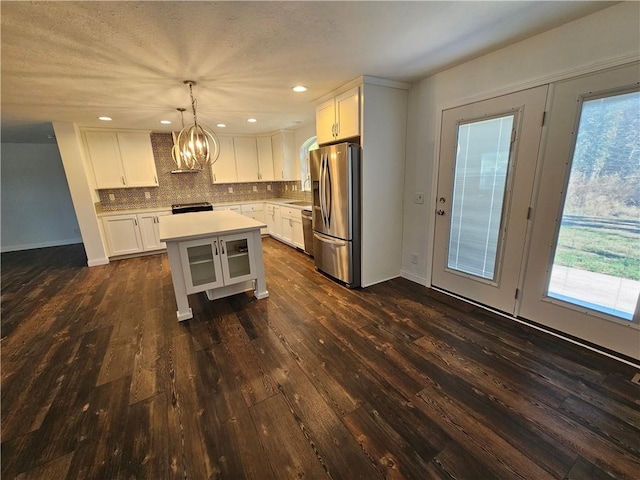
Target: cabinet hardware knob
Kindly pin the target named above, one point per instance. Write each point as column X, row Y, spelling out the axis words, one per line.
column 215, row 244
column 439, row 212
column 222, row 246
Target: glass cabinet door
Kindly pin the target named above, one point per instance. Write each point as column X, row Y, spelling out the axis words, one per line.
column 236, row 258
column 201, row 264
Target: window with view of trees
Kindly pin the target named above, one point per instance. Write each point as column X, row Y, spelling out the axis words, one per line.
column 597, row 258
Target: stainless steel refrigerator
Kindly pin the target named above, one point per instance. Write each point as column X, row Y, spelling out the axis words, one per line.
column 335, row 179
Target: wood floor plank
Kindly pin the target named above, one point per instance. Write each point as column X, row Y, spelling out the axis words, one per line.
column 284, row 442
column 394, row 457
column 340, row 453
column 256, row 382
column 147, row 367
column 55, row 469
column 99, row 452
column 229, row 430
column 195, row 460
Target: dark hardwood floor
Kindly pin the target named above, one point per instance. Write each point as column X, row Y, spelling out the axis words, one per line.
column 100, row 381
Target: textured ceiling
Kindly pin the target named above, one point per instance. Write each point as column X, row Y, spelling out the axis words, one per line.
column 74, row 61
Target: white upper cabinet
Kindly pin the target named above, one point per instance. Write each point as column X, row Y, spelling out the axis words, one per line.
column 265, row 158
column 246, row 159
column 285, row 157
column 255, row 159
column 339, row 118
column 121, row 159
column 224, row 170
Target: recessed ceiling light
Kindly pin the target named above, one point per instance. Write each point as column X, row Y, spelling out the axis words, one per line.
column 251, row 120
column 165, row 122
column 299, row 88
column 105, row 119
column 221, row 125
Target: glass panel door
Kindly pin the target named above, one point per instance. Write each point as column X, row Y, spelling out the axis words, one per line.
column 597, row 257
column 237, row 257
column 488, row 151
column 201, row 264
column 583, row 267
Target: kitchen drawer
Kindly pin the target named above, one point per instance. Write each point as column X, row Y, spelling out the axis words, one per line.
column 268, row 207
column 291, row 212
column 252, row 207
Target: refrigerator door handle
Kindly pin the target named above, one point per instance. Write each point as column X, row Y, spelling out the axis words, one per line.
column 321, row 190
column 328, row 196
column 325, row 239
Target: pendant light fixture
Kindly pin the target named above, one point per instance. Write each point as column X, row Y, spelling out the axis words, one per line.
column 197, row 146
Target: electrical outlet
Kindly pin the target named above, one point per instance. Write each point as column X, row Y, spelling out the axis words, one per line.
column 414, row 258
column 147, row 195
column 294, row 188
column 112, row 197
column 268, row 188
column 286, row 187
column 418, row 198
column 255, row 188
column 230, row 189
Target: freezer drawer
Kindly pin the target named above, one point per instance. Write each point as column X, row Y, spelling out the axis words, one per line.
column 336, row 258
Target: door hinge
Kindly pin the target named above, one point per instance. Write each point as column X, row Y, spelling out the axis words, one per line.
column 517, row 293
column 544, row 118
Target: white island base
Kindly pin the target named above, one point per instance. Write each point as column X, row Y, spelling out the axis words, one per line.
column 219, row 253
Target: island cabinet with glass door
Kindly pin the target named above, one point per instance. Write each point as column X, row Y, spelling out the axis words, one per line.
column 219, row 253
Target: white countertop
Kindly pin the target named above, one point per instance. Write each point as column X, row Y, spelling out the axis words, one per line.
column 188, row 226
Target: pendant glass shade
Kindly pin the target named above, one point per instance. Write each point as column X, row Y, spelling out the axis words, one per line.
column 196, row 146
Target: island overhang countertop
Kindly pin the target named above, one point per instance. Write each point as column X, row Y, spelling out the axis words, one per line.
column 187, row 226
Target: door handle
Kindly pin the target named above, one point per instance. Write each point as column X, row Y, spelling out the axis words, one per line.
column 222, row 246
column 215, row 244
column 439, row 212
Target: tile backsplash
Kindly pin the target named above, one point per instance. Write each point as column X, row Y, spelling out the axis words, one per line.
column 191, row 187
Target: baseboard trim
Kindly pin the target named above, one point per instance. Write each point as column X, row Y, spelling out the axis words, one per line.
column 33, row 246
column 94, row 262
column 414, row 278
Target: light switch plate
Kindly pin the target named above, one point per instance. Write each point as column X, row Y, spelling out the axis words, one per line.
column 269, row 188
column 112, row 197
column 147, row 195
column 255, row 188
column 230, row 189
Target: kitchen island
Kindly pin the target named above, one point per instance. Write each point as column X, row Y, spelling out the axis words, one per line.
column 219, row 253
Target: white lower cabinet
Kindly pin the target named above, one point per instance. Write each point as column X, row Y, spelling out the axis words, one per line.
column 272, row 218
column 122, row 234
column 292, row 227
column 285, row 224
column 211, row 263
column 255, row 211
column 149, row 230
column 133, row 233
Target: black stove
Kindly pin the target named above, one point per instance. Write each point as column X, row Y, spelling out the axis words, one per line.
column 191, row 207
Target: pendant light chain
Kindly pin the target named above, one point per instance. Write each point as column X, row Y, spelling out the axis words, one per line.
column 193, row 104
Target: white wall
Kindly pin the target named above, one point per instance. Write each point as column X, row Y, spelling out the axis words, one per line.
column 70, row 146
column 36, row 204
column 606, row 38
